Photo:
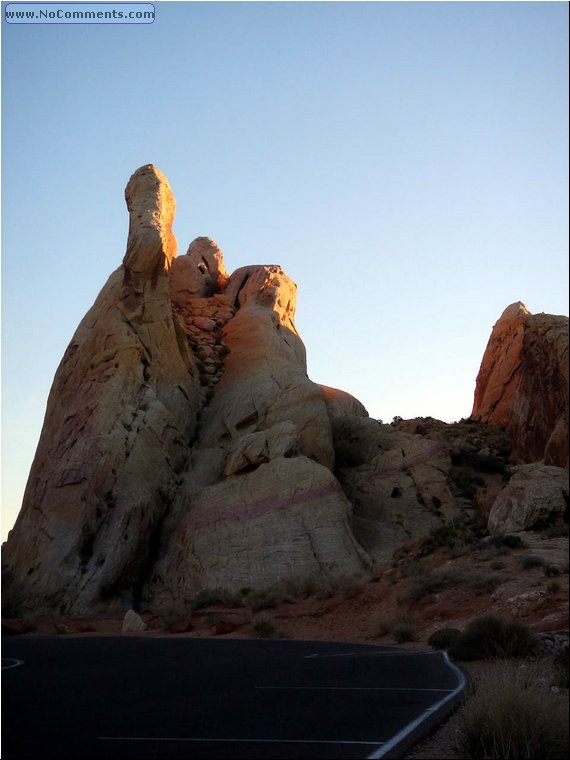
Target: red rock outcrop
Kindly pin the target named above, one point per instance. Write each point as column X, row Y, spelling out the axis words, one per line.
column 522, row 385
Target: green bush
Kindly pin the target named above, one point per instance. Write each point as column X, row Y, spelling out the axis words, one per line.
column 444, row 638
column 508, row 716
column 493, row 635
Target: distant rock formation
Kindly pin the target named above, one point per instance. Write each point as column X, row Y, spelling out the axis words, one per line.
column 522, row 386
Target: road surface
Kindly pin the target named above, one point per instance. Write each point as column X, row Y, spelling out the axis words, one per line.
column 76, row 698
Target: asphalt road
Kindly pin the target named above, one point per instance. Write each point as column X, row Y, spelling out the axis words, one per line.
column 114, row 698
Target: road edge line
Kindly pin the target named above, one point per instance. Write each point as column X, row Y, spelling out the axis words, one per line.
column 402, row 735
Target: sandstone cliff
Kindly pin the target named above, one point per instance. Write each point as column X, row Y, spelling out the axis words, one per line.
column 184, row 446
column 522, row 385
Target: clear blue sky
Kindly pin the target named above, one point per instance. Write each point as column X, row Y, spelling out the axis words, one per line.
column 406, row 163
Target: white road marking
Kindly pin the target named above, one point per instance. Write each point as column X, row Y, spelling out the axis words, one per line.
column 400, row 653
column 14, row 663
column 395, row 740
column 353, row 688
column 207, row 739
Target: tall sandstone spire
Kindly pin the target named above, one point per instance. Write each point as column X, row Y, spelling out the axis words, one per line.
column 183, row 443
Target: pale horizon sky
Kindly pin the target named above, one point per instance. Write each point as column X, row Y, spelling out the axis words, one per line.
column 406, row 164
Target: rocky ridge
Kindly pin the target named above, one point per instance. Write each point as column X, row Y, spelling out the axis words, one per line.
column 184, row 446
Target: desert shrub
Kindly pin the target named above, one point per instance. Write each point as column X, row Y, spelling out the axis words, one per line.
column 406, row 628
column 551, row 571
column 264, row 627
column 531, row 561
column 444, row 638
column 265, row 599
column 212, row 618
column 440, row 580
column 444, row 537
column 299, row 587
column 560, row 663
column 178, row 615
column 553, row 587
column 211, row 597
column 489, row 463
column 411, row 569
column 493, row 635
column 482, row 583
column 510, row 540
column 559, row 530
column 506, row 715
column 403, row 626
column 350, row 586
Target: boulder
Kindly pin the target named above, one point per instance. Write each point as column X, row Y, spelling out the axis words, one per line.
column 133, row 623
column 534, row 496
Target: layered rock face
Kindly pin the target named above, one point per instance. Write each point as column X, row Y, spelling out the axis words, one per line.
column 522, row 385
column 183, row 445
column 121, row 411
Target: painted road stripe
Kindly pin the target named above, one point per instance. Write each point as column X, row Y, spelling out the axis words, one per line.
column 218, row 741
column 353, row 688
column 399, row 737
column 10, row 663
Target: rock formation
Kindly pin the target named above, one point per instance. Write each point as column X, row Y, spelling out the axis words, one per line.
column 535, row 496
column 522, row 386
column 184, row 446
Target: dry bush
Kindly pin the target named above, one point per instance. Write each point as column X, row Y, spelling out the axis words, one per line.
column 531, row 561
column 403, row 626
column 298, row 587
column 264, row 627
column 493, row 635
column 444, row 638
column 216, row 597
column 510, row 713
column 440, row 580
